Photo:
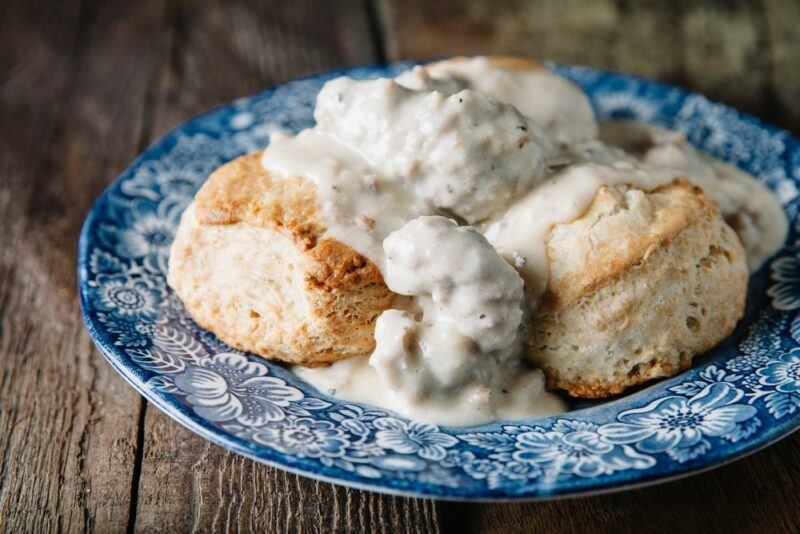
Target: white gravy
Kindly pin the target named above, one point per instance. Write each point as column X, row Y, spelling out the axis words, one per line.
column 450, row 179
column 553, row 102
column 386, row 154
column 520, row 233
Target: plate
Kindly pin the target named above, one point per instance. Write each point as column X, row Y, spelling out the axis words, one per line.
column 738, row 398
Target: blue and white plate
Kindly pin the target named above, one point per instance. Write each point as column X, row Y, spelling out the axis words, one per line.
column 740, row 397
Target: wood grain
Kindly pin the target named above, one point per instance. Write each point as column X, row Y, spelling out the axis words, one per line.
column 220, row 52
column 224, row 50
column 730, row 37
column 71, row 107
column 640, row 36
column 783, row 34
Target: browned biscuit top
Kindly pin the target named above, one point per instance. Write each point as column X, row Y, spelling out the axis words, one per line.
column 597, row 248
column 243, row 191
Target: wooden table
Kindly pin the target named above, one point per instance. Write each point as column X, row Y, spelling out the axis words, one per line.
column 85, row 85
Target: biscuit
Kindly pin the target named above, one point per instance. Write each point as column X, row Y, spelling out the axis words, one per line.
column 638, row 286
column 251, row 263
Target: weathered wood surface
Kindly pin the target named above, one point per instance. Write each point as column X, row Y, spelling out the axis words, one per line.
column 85, row 85
column 71, row 116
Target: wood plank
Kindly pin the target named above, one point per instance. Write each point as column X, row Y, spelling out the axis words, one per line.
column 783, row 34
column 223, row 51
column 726, row 52
column 71, row 103
column 640, row 37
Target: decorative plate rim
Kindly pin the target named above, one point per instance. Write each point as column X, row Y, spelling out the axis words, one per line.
column 618, row 457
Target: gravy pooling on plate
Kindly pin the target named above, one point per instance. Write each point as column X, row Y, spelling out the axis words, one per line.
column 449, row 179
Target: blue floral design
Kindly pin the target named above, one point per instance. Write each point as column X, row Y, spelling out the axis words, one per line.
column 671, row 423
column 762, row 341
column 356, row 419
column 782, row 374
column 178, row 174
column 482, row 468
column 130, row 333
column 230, row 387
column 150, row 235
column 747, row 362
column 516, row 470
column 128, row 298
column 750, row 382
column 575, row 447
column 304, row 437
column 412, row 437
column 725, row 133
column 710, row 375
column 786, row 293
column 457, row 458
column 176, row 181
column 145, row 232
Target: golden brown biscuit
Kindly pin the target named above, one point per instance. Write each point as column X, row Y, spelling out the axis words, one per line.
column 638, row 286
column 251, row 263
